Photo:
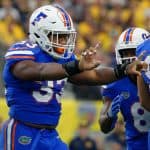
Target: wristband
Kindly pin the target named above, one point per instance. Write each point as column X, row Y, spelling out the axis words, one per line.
column 72, row 67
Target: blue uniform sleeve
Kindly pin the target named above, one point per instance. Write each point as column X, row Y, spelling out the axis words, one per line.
column 16, row 54
column 144, row 50
column 73, row 57
column 109, row 91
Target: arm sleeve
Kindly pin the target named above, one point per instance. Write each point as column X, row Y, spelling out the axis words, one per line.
column 15, row 55
column 144, row 51
column 109, row 91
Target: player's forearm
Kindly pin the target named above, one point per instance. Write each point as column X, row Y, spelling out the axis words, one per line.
column 101, row 75
column 144, row 93
column 105, row 123
column 28, row 70
column 51, row 71
column 94, row 77
column 106, row 75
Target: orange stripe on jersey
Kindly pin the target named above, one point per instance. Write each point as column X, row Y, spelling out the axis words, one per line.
column 18, row 48
column 13, row 136
column 130, row 38
column 125, row 36
column 27, row 57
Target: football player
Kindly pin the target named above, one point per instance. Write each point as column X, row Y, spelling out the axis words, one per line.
column 123, row 96
column 35, row 73
column 143, row 51
column 143, row 81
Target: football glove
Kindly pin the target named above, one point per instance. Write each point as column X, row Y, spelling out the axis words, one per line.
column 115, row 106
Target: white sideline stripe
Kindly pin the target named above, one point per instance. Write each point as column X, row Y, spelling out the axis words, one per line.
column 19, row 52
column 9, row 134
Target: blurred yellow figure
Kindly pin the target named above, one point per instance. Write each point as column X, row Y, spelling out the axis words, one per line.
column 10, row 31
column 139, row 8
column 84, row 29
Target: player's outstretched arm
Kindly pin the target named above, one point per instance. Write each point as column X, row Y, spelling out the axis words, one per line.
column 108, row 115
column 104, row 75
column 30, row 70
column 99, row 76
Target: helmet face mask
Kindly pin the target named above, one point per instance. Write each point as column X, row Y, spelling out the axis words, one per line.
column 127, row 55
column 128, row 42
column 64, row 40
column 52, row 28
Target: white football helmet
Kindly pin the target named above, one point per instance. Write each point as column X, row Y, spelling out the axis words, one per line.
column 49, row 21
column 129, row 40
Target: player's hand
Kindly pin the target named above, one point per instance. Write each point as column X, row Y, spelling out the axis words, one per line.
column 88, row 60
column 115, row 106
column 136, row 67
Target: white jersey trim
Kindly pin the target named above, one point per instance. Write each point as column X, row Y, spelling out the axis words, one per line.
column 19, row 52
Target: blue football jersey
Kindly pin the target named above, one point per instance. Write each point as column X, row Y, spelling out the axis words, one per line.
column 135, row 116
column 144, row 50
column 32, row 101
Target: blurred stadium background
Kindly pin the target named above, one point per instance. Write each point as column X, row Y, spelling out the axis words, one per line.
column 95, row 20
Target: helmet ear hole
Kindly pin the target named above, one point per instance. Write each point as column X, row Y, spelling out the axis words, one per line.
column 120, row 52
column 49, row 35
column 36, row 35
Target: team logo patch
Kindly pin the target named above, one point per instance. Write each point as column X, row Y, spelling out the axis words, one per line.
column 24, row 140
column 126, row 95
